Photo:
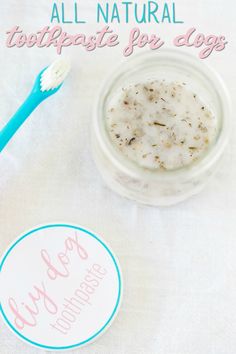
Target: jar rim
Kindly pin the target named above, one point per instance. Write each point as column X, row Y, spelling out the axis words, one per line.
column 130, row 167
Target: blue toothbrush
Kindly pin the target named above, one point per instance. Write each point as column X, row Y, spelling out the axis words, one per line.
column 48, row 82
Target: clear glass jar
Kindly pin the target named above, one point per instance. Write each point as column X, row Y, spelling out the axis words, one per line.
column 157, row 187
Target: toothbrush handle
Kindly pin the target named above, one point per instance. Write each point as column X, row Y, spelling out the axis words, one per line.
column 32, row 101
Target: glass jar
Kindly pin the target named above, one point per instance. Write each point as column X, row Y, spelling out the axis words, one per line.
column 158, row 187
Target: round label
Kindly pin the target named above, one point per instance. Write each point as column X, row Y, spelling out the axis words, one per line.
column 60, row 287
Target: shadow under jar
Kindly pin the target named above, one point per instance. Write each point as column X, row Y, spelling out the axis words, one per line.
column 162, row 145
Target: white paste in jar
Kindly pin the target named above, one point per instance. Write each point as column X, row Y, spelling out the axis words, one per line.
column 160, row 125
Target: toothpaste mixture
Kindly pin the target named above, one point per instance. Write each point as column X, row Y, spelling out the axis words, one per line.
column 160, row 125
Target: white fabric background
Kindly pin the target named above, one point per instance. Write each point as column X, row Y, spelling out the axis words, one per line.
column 179, row 263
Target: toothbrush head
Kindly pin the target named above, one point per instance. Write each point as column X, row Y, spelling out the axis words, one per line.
column 54, row 75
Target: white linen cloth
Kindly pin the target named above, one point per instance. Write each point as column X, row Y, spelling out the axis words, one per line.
column 179, row 263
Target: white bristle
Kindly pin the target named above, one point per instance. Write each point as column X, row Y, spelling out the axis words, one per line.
column 54, row 75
